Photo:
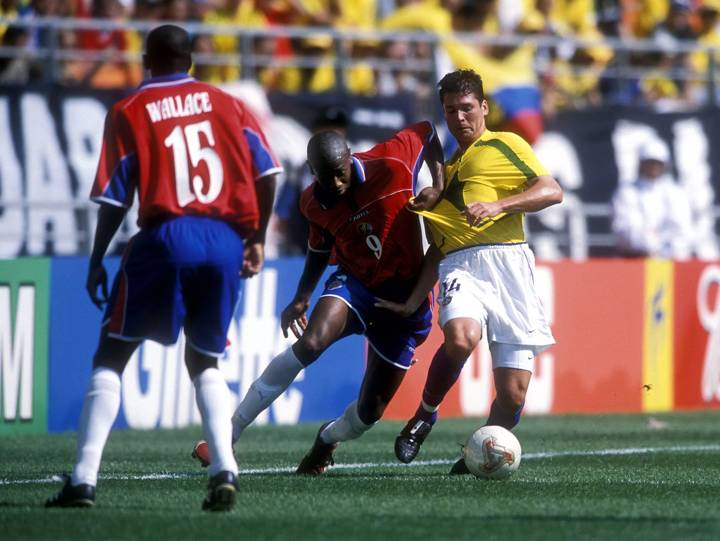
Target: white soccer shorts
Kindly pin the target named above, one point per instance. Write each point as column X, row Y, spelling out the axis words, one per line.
column 495, row 285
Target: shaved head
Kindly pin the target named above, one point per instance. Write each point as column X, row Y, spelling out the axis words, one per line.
column 168, row 49
column 327, row 148
column 329, row 158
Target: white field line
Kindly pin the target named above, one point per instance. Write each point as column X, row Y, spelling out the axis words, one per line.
column 368, row 465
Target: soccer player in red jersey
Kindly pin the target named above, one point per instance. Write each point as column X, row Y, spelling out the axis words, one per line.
column 357, row 208
column 205, row 180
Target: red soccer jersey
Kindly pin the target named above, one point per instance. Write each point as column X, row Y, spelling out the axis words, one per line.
column 187, row 148
column 376, row 239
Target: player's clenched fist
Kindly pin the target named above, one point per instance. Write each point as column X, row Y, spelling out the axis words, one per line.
column 478, row 211
column 425, row 200
column 253, row 258
column 97, row 277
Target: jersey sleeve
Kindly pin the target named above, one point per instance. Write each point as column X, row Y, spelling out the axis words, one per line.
column 408, row 145
column 117, row 173
column 264, row 161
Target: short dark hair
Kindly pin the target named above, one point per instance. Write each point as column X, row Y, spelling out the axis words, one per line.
column 169, row 47
column 462, row 82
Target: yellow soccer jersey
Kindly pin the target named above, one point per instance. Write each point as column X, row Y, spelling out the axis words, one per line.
column 496, row 166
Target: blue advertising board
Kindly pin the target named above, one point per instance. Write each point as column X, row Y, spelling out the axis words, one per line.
column 156, row 391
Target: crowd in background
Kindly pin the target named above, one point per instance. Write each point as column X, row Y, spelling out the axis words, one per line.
column 526, row 81
column 567, row 76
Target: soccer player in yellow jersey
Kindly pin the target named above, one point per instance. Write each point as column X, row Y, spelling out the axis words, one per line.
column 483, row 262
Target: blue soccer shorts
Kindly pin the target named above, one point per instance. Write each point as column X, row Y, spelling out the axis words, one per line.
column 392, row 337
column 184, row 272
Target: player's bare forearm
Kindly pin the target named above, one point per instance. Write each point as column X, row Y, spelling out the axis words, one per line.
column 108, row 222
column 426, row 281
column 294, row 317
column 315, row 265
column 254, row 252
column 265, row 191
column 543, row 192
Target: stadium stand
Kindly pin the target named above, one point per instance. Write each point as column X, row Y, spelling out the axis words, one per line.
column 539, row 60
column 564, row 49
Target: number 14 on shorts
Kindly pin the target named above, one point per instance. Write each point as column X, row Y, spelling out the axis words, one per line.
column 448, row 288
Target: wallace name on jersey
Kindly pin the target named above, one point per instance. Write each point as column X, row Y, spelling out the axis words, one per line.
column 179, row 106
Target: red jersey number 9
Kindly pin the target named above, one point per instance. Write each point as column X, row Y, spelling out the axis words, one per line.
column 373, row 242
column 186, row 142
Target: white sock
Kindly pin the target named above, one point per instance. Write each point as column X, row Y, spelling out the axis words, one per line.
column 346, row 427
column 100, row 408
column 276, row 378
column 213, row 400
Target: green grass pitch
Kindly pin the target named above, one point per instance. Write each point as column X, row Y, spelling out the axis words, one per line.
column 582, row 477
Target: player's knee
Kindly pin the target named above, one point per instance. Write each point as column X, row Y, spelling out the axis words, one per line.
column 113, row 354
column 310, row 347
column 511, row 398
column 111, row 364
column 371, row 410
column 197, row 362
column 460, row 341
column 459, row 347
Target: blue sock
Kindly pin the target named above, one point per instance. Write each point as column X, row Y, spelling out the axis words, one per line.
column 502, row 418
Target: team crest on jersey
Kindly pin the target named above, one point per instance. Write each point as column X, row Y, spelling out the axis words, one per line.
column 365, row 228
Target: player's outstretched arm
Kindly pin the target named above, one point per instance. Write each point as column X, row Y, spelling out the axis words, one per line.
column 293, row 316
column 426, row 281
column 109, row 220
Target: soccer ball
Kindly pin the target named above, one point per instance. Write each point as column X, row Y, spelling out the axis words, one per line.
column 492, row 452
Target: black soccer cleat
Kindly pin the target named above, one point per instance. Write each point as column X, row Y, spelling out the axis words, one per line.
column 319, row 458
column 459, row 468
column 222, row 489
column 408, row 442
column 82, row 495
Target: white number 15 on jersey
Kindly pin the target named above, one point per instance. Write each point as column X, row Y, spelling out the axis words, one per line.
column 186, row 142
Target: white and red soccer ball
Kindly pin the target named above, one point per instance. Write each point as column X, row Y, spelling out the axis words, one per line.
column 492, row 452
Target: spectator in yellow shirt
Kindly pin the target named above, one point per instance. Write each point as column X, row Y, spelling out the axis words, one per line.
column 356, row 15
column 508, row 72
column 708, row 14
column 237, row 13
